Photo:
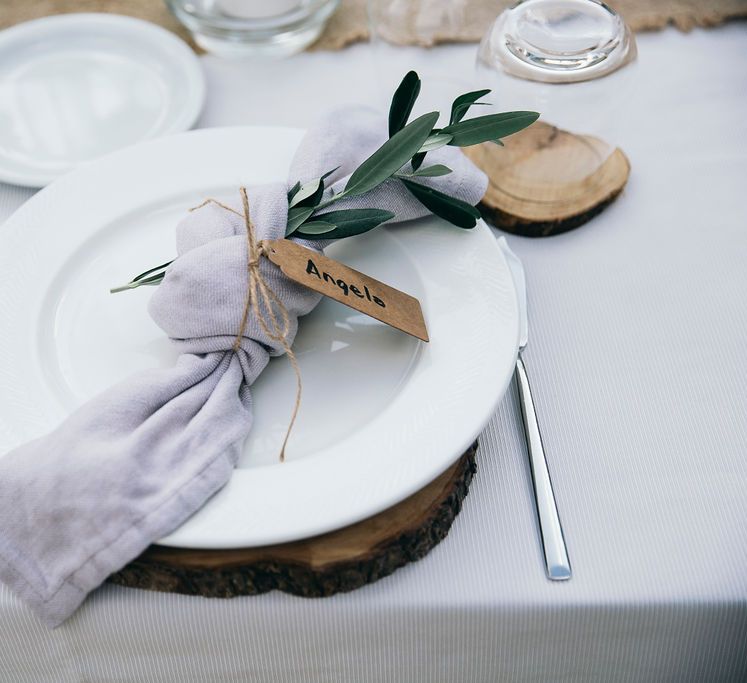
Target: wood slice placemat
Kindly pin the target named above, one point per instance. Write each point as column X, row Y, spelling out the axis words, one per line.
column 469, row 18
column 339, row 561
column 545, row 180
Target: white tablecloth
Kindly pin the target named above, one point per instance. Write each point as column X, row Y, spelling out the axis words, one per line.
column 637, row 355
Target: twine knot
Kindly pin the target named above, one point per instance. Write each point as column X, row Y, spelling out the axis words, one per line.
column 259, row 295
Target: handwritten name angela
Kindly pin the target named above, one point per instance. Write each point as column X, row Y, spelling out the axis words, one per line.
column 311, row 269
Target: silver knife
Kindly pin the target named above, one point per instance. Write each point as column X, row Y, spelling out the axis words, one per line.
column 557, row 565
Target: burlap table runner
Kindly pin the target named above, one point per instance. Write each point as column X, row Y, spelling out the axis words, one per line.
column 349, row 25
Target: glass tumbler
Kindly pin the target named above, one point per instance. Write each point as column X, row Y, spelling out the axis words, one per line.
column 241, row 28
column 570, row 60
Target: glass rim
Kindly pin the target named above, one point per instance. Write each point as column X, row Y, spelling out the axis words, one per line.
column 507, row 45
column 295, row 17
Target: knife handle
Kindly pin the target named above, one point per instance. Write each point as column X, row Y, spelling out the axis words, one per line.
column 557, row 565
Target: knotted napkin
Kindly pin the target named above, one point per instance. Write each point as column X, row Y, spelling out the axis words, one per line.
column 133, row 463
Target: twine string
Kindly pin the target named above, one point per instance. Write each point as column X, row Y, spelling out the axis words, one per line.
column 260, row 295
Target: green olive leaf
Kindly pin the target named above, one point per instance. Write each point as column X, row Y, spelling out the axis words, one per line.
column 432, row 171
column 490, row 127
column 308, row 189
column 403, row 102
column 462, row 104
column 292, row 192
column 350, row 222
column 451, row 209
column 391, row 156
column 314, row 228
column 417, row 160
column 153, row 276
column 296, row 216
column 316, row 197
column 434, row 142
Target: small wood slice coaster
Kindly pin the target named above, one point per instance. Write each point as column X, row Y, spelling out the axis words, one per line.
column 335, row 562
column 546, row 181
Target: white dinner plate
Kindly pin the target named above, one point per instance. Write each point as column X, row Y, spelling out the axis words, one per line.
column 382, row 413
column 77, row 86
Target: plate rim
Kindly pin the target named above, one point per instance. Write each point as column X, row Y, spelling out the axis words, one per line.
column 207, row 138
column 167, row 42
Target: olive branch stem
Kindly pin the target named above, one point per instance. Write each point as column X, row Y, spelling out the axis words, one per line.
column 408, row 143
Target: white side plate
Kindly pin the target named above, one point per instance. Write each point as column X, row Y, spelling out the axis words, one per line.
column 77, row 86
column 382, row 413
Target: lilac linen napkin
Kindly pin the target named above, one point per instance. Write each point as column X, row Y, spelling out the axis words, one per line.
column 133, row 463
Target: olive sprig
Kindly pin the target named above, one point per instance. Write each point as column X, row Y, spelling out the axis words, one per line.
column 399, row 159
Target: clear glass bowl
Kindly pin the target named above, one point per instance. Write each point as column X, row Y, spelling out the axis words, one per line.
column 240, row 28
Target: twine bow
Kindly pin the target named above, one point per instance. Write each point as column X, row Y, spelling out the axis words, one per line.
column 259, row 296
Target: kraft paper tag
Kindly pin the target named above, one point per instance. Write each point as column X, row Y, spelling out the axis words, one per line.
column 348, row 286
